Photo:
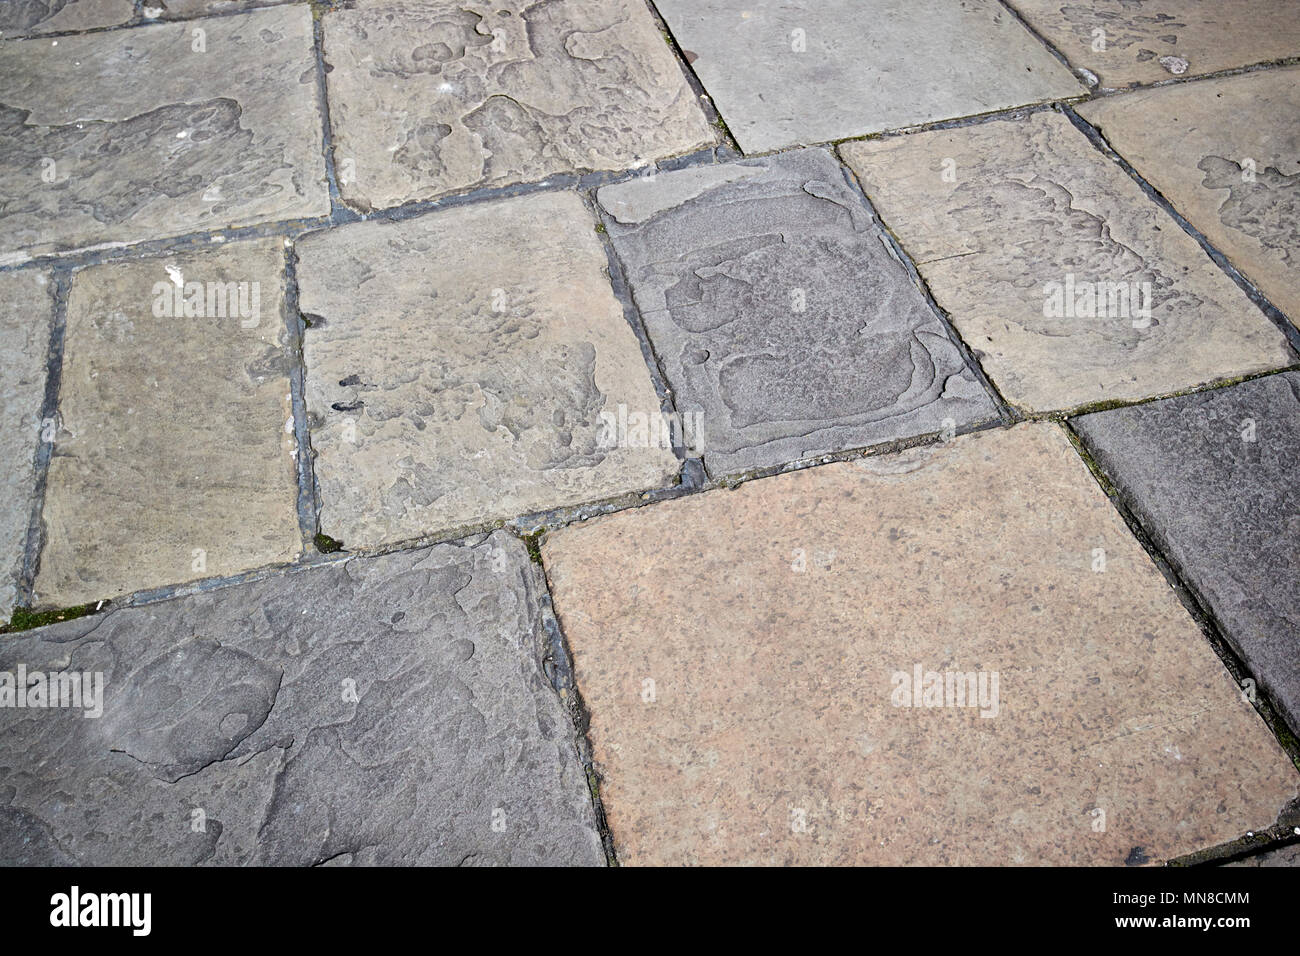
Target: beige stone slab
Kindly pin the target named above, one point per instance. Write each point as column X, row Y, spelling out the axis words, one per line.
column 35, row 17
column 777, row 623
column 458, row 368
column 174, row 459
column 1146, row 41
column 432, row 96
column 1009, row 219
column 1226, row 153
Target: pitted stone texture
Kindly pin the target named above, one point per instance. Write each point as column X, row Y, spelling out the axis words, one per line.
column 26, row 309
column 1147, row 41
column 864, row 66
column 458, row 366
column 377, row 711
column 1212, row 477
column 771, row 703
column 230, row 139
column 34, row 17
column 433, row 97
column 1032, row 209
column 1226, row 153
column 1287, row 856
column 174, row 458
column 779, row 315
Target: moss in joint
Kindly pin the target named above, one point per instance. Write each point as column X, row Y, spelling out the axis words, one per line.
column 327, row 545
column 24, row 619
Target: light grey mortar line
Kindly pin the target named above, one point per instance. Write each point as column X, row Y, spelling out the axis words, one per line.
column 308, row 494
column 337, row 208
column 702, row 96
column 1033, row 31
column 1104, row 92
column 1275, row 315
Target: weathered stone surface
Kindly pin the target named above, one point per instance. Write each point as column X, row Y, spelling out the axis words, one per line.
column 231, row 138
column 1226, row 153
column 437, row 96
column 172, row 9
column 458, row 366
column 773, row 709
column 1152, row 40
column 779, row 315
column 1027, row 210
column 378, row 711
column 1212, row 477
column 26, row 308
column 35, row 17
column 174, row 458
column 1287, row 856
column 784, row 74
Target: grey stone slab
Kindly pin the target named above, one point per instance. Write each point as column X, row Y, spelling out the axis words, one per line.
column 390, row 710
column 176, row 9
column 228, row 135
column 785, row 73
column 1286, row 856
column 779, row 315
column 1212, row 476
column 36, row 17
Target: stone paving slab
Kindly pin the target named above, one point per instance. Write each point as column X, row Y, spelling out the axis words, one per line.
column 748, row 659
column 233, row 137
column 379, row 711
column 175, row 9
column 780, row 317
column 35, row 17
column 433, row 97
column 1148, row 41
column 1039, row 246
column 1212, row 477
column 1226, row 153
column 25, row 316
column 459, row 366
column 1287, row 856
column 785, row 74
column 174, row 459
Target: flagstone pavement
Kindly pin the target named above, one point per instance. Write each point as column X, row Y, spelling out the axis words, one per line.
column 589, row 432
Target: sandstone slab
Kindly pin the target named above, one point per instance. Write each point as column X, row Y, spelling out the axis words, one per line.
column 781, row 320
column 34, row 17
column 89, row 154
column 431, row 96
column 174, row 457
column 743, row 656
column 1212, row 477
column 1071, row 285
column 378, row 711
column 458, row 368
column 1226, row 153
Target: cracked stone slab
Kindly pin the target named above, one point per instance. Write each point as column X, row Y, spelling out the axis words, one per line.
column 742, row 655
column 780, row 316
column 1212, row 478
column 25, row 316
column 441, row 398
column 389, row 710
column 1226, row 153
column 36, row 17
column 785, row 74
column 175, row 455
column 433, row 97
column 1038, row 246
column 90, row 155
column 1124, row 42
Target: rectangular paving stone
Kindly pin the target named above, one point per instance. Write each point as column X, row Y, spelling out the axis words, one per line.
column 1212, row 477
column 35, row 17
column 174, row 458
column 784, row 74
column 429, row 97
column 25, row 317
column 1124, row 42
column 90, row 155
column 462, row 368
column 779, row 315
column 1226, row 153
column 386, row 711
column 1047, row 255
column 748, row 660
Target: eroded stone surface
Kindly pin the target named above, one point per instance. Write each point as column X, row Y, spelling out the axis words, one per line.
column 1010, row 220
column 34, row 17
column 433, row 96
column 90, row 154
column 738, row 650
column 1212, row 477
column 779, row 315
column 380, row 711
column 174, row 458
column 783, row 74
column 458, row 366
column 1226, row 153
